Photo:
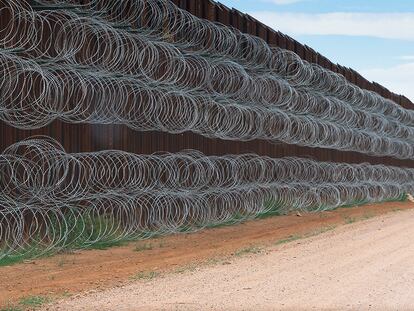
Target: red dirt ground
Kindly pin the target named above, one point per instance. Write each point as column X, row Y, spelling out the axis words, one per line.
column 97, row 269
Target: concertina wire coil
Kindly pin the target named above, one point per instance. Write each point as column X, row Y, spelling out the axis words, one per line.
column 51, row 199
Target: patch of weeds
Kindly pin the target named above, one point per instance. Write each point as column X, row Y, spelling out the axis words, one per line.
column 402, row 198
column 396, row 209
column 86, row 232
column 143, row 247
column 236, row 218
column 273, row 208
column 368, row 215
column 248, row 250
column 289, row 239
column 191, row 267
column 145, row 275
column 81, row 233
column 214, row 261
column 106, row 244
column 292, row 238
column 185, row 228
column 349, row 220
column 321, row 230
column 11, row 260
column 31, row 252
column 11, row 308
column 34, row 301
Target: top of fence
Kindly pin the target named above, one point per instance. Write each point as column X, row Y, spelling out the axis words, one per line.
column 218, row 12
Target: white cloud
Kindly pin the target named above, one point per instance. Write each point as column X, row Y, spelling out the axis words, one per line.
column 398, row 79
column 381, row 25
column 406, row 57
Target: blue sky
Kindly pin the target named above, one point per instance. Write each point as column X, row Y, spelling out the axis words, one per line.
column 375, row 37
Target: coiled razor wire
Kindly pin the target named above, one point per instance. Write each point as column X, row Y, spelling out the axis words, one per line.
column 151, row 66
column 162, row 20
column 52, row 200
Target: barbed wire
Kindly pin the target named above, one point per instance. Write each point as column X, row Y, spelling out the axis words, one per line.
column 52, row 200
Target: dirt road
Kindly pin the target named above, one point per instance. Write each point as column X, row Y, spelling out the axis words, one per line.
column 367, row 265
column 70, row 273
